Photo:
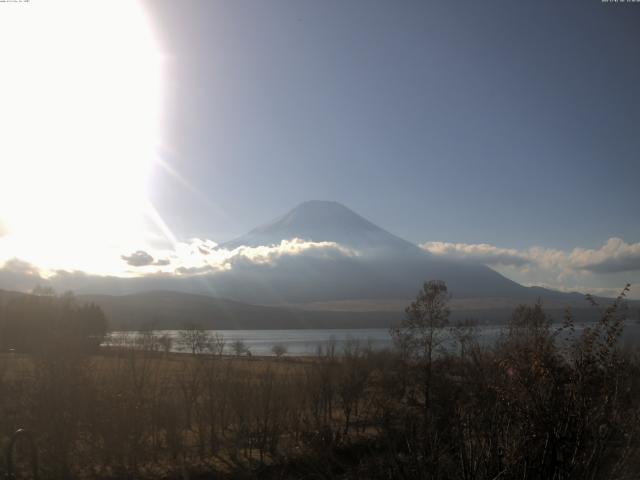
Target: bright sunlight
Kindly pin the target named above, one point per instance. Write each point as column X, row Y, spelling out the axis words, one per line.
column 79, row 118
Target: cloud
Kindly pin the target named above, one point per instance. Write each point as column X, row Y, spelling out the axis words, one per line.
column 204, row 256
column 19, row 275
column 16, row 266
column 138, row 259
column 197, row 257
column 614, row 256
column 195, row 270
column 479, row 253
column 293, row 247
column 268, row 274
column 202, row 265
column 601, row 271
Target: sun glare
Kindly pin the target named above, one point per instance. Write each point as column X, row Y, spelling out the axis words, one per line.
column 80, row 104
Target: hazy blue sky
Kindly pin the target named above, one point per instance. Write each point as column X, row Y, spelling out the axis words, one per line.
column 512, row 123
column 501, row 132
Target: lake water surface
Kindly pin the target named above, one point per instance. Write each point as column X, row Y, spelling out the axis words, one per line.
column 306, row 342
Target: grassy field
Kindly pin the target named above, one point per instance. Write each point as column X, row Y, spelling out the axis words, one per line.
column 125, row 412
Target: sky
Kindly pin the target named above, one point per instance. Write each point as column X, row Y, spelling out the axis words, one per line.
column 512, row 123
column 470, row 128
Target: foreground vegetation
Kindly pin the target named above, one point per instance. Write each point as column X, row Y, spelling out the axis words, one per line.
column 542, row 403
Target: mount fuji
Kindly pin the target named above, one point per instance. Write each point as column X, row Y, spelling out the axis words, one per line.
column 325, row 221
column 386, row 266
column 351, row 273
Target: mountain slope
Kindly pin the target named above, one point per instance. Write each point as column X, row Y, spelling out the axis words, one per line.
column 325, row 221
column 386, row 267
column 175, row 310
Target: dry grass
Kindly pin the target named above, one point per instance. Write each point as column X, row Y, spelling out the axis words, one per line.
column 531, row 406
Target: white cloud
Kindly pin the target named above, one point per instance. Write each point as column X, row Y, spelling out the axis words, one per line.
column 613, row 256
column 601, row 271
column 205, row 256
column 294, row 247
column 479, row 252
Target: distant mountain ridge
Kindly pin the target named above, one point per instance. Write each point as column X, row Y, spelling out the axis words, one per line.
column 170, row 310
column 175, row 310
column 160, row 310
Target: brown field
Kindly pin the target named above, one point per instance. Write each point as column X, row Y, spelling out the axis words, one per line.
column 529, row 407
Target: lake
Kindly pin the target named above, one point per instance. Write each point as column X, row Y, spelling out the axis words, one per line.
column 306, row 342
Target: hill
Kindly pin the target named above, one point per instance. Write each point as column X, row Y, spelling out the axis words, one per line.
column 174, row 310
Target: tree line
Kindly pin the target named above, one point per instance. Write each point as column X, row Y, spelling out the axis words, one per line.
column 45, row 321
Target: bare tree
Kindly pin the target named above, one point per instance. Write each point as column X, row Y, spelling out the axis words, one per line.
column 195, row 338
column 421, row 332
column 239, row 347
column 43, row 291
column 279, row 350
column 165, row 342
column 146, row 340
column 217, row 344
column 465, row 334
